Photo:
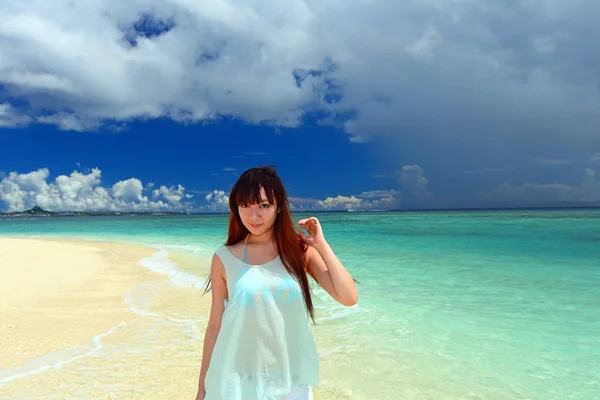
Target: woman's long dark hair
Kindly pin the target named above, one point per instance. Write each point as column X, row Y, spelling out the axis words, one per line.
column 290, row 246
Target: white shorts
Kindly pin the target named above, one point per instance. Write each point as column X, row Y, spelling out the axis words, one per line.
column 303, row 392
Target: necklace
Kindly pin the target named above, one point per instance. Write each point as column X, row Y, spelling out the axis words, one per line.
column 245, row 243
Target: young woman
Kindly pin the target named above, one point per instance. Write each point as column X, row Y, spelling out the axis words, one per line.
column 258, row 343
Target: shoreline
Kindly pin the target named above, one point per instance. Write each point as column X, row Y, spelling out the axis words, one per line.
column 78, row 316
column 58, row 294
column 86, row 315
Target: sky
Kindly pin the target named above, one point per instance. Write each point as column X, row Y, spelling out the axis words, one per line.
column 159, row 105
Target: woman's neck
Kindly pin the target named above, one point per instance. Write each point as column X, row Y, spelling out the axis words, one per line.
column 265, row 238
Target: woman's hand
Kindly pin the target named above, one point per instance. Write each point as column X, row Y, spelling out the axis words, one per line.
column 315, row 232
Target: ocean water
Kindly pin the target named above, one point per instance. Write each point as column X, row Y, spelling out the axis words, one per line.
column 453, row 305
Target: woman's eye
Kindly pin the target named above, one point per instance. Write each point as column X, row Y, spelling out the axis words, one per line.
column 265, row 205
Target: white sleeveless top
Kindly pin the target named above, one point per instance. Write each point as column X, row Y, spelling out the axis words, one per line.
column 265, row 348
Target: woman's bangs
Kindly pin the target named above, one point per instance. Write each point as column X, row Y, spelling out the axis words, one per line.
column 249, row 193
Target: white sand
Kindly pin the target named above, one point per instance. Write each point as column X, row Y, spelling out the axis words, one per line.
column 59, row 294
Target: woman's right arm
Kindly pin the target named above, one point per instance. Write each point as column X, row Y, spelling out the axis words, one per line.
column 219, row 294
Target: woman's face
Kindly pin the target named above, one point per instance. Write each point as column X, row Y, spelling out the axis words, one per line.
column 258, row 218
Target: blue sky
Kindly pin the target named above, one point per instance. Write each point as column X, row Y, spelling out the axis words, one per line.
column 314, row 162
column 159, row 105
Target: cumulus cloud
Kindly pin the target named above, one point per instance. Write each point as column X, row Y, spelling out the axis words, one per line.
column 414, row 190
column 339, row 203
column 86, row 62
column 172, row 195
column 414, row 183
column 365, row 201
column 84, row 192
column 527, row 193
column 9, row 117
column 301, row 203
column 371, row 67
column 217, row 201
column 129, row 190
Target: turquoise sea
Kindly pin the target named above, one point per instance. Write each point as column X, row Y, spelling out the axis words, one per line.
column 453, row 305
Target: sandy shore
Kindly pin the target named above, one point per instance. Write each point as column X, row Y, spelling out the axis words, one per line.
column 59, row 294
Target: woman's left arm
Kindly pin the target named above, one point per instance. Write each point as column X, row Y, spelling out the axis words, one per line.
column 325, row 267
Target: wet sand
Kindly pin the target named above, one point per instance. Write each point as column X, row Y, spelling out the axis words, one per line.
column 57, row 294
column 83, row 319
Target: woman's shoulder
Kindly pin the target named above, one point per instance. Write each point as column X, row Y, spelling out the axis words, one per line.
column 221, row 249
column 227, row 251
column 232, row 248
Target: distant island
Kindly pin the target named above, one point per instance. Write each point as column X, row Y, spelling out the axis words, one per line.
column 40, row 212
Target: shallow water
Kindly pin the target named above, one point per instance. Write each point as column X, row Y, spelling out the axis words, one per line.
column 479, row 305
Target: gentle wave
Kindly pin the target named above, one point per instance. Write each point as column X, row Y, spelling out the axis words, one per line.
column 160, row 262
column 56, row 359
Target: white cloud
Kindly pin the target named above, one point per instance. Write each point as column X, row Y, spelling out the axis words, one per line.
column 229, row 58
column 300, row 203
column 339, row 203
column 83, row 192
column 424, row 47
column 9, row 117
column 378, row 194
column 217, row 200
column 414, row 183
column 373, row 200
column 171, row 194
column 73, row 122
column 129, row 190
column 555, row 192
column 392, row 65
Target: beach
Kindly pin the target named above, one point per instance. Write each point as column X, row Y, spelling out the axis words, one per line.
column 482, row 305
column 57, row 294
column 61, row 301
column 85, row 319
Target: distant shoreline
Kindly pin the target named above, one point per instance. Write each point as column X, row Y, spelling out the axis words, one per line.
column 37, row 212
column 85, row 214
